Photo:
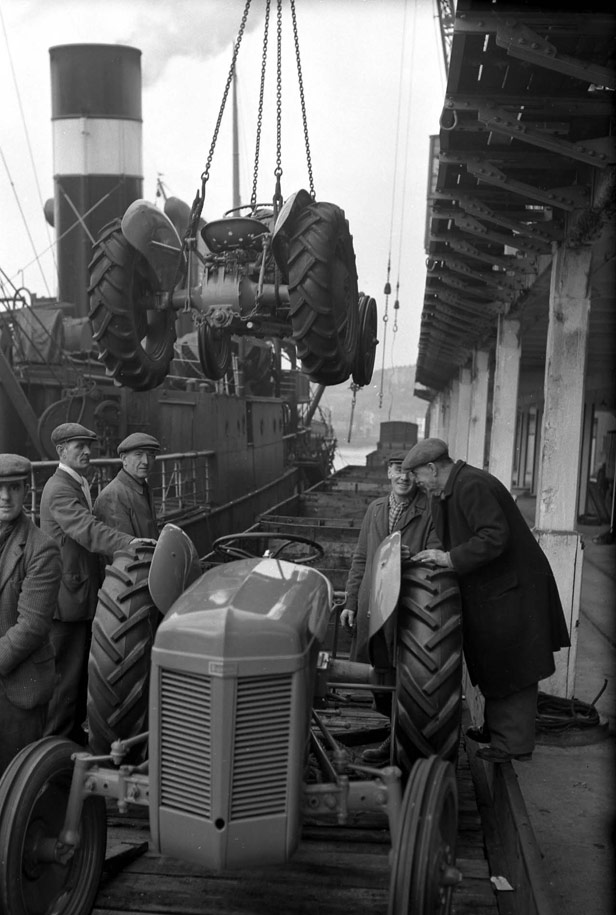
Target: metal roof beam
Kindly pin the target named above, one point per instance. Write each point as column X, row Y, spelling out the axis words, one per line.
column 525, row 44
column 494, row 279
column 565, row 198
column 599, row 152
column 506, row 261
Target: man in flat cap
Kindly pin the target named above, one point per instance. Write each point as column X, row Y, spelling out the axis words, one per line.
column 30, row 570
column 511, row 611
column 66, row 516
column 126, row 502
column 404, row 510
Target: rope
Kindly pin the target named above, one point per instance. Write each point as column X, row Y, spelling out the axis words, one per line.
column 556, row 715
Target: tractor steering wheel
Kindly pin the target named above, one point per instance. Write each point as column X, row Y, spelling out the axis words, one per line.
column 248, row 206
column 226, row 546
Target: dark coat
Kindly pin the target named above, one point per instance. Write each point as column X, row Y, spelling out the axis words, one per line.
column 29, row 580
column 66, row 517
column 417, row 532
column 126, row 505
column 512, row 615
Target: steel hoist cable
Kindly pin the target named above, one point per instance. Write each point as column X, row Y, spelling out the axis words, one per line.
column 387, row 288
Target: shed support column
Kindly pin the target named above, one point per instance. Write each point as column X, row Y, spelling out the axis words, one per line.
column 479, row 408
column 435, row 418
column 505, row 399
column 461, row 416
column 561, row 441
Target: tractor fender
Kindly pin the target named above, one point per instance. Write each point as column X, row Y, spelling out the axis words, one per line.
column 175, row 565
column 385, row 588
column 153, row 234
column 284, row 228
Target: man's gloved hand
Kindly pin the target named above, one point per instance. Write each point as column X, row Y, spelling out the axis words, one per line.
column 142, row 540
column 347, row 618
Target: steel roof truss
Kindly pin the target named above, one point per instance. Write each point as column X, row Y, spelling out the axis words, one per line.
column 565, row 198
column 598, row 152
column 522, row 42
column 507, row 262
column 495, row 279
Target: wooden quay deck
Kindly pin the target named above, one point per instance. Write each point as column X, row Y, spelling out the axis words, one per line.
column 336, row 870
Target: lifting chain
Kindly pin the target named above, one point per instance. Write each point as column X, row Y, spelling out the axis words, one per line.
column 302, row 100
column 354, row 388
column 197, row 207
column 255, row 175
column 278, row 169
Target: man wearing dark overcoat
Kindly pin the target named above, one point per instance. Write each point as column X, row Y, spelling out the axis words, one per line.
column 511, row 611
column 404, row 510
column 30, row 570
column 126, row 502
column 66, row 516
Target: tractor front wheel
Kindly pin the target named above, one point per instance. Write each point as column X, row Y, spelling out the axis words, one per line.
column 423, row 872
column 34, row 793
column 323, row 293
column 134, row 338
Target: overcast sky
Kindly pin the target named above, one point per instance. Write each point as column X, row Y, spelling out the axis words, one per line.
column 374, row 86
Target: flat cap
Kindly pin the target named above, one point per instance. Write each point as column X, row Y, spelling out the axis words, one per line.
column 430, row 449
column 14, row 467
column 396, row 457
column 69, row 432
column 140, row 440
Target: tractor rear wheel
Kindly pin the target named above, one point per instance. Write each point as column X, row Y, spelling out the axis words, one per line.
column 119, row 663
column 135, row 340
column 34, row 794
column 367, row 342
column 214, row 351
column 323, row 293
column 428, row 698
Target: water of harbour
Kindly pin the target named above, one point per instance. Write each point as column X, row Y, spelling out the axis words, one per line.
column 351, row 455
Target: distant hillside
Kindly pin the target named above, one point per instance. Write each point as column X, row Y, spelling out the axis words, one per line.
column 398, row 403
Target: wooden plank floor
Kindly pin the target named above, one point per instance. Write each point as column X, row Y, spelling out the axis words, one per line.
column 335, row 870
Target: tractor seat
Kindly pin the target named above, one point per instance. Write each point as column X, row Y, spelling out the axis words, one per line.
column 233, row 232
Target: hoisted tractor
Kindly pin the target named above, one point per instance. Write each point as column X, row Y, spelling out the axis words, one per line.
column 231, row 732
column 288, row 278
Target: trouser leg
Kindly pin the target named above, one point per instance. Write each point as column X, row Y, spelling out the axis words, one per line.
column 67, row 707
column 511, row 721
column 19, row 727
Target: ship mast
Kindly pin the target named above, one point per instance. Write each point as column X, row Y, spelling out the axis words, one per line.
column 236, row 151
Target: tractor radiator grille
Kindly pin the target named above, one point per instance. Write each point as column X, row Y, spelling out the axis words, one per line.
column 185, row 742
column 260, row 759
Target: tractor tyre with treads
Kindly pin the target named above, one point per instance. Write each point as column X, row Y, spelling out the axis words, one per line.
column 323, row 293
column 134, row 339
column 119, row 663
column 429, row 665
column 34, row 795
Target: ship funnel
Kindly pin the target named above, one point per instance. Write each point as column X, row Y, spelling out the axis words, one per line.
column 97, row 152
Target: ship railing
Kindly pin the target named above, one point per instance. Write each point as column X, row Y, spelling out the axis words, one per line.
column 178, row 482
